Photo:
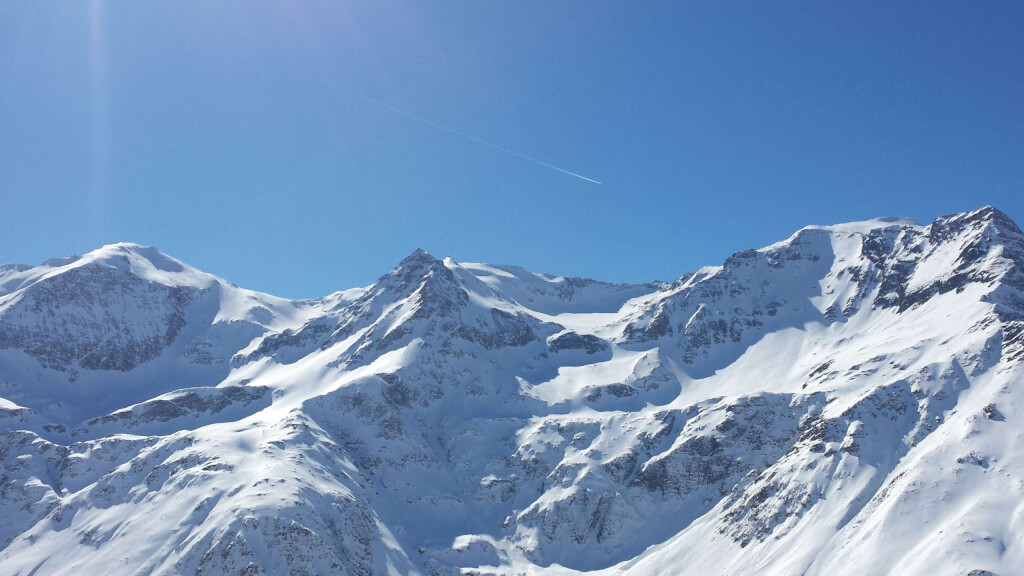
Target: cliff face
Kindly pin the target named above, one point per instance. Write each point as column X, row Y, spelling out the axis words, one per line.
column 844, row 401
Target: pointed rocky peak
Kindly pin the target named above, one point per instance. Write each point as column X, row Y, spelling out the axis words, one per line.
column 993, row 215
column 977, row 247
column 413, row 270
column 977, row 235
column 978, row 221
column 419, row 261
column 418, row 255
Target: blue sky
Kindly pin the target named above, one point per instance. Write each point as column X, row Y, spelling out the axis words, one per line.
column 226, row 133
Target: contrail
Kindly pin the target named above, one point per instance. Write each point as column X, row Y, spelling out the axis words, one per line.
column 464, row 135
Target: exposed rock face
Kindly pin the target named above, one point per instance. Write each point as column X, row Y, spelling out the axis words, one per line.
column 180, row 410
column 842, row 402
column 95, row 318
column 573, row 341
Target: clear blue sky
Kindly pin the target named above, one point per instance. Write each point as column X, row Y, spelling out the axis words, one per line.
column 225, row 133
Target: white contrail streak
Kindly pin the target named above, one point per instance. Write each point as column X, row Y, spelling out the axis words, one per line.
column 467, row 136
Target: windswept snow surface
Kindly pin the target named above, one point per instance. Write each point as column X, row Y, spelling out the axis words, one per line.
column 846, row 401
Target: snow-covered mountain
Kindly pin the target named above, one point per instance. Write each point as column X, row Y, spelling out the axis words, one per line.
column 846, row 401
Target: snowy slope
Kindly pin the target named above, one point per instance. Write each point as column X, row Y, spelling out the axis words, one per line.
column 845, row 401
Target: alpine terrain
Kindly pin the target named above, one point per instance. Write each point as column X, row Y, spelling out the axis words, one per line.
column 846, row 401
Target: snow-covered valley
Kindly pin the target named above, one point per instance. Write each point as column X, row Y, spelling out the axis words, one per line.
column 845, row 401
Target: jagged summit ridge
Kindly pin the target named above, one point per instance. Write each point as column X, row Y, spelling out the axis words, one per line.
column 840, row 402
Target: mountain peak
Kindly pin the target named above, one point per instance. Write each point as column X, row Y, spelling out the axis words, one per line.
column 977, row 223
column 416, row 268
column 417, row 264
column 145, row 262
column 127, row 246
column 994, row 216
column 419, row 255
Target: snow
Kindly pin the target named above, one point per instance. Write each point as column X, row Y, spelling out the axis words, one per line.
column 842, row 402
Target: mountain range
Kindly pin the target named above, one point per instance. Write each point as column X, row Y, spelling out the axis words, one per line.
column 841, row 402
